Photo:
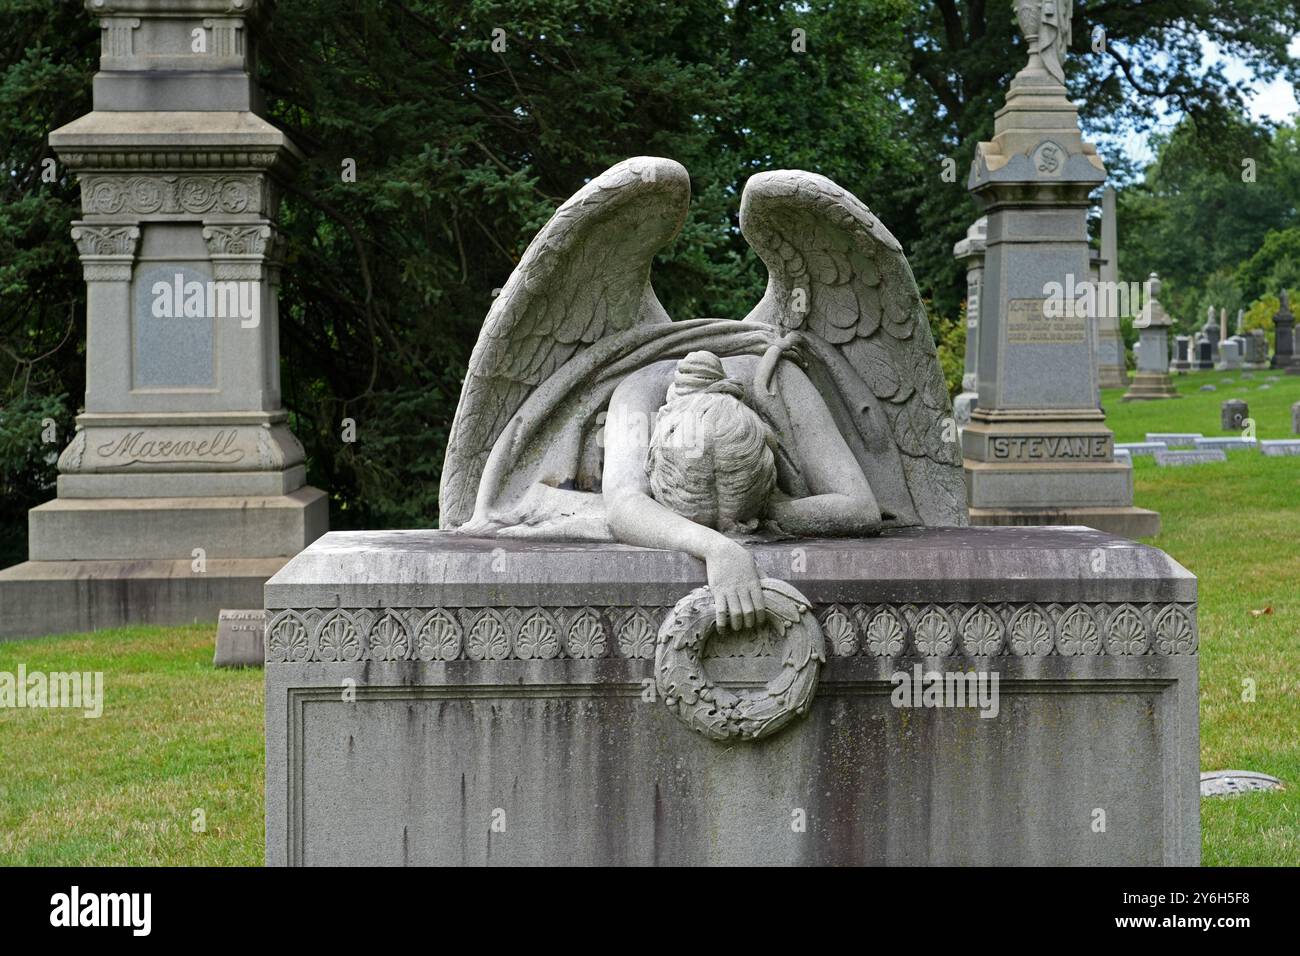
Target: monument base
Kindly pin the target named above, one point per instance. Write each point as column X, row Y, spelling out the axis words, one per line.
column 89, row 529
column 61, row 597
column 1150, row 386
column 1127, row 522
column 439, row 699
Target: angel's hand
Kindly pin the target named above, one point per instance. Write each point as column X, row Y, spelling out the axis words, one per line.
column 736, row 586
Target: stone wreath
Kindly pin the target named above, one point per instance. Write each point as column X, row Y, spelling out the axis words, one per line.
column 717, row 712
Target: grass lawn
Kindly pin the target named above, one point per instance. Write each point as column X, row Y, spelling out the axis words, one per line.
column 178, row 736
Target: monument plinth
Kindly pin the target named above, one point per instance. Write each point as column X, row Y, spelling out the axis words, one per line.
column 183, row 484
column 506, row 711
column 1037, row 449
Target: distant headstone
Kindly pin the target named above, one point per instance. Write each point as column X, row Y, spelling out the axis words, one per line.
column 1284, row 336
column 1232, row 413
column 1211, row 333
column 1141, row 447
column 1204, row 354
column 1230, row 783
column 1256, row 349
column 239, row 639
column 1227, row 443
column 1208, row 388
column 1152, row 380
column 1196, row 457
column 1280, row 447
column 1182, row 354
column 1174, row 439
column 1295, row 419
column 1229, row 356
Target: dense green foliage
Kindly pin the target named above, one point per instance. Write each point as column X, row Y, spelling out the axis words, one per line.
column 463, row 150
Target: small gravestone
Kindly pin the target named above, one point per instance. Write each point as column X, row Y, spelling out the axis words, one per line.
column 1230, row 783
column 1233, row 413
column 1230, row 443
column 239, row 639
column 1279, row 448
column 1264, row 386
column 1208, row 388
column 1295, row 419
column 1229, row 355
column 1174, row 439
column 1194, row 457
column 1284, row 356
column 1204, row 354
column 1182, row 354
column 1141, row 447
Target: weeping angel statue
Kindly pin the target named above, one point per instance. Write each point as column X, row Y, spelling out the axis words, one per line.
column 588, row 414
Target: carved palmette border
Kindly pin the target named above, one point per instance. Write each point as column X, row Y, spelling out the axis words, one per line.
column 981, row 630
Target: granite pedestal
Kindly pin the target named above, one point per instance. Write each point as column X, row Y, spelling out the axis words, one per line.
column 439, row 699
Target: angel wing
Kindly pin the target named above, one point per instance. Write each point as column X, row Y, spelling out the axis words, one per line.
column 837, row 274
column 585, row 276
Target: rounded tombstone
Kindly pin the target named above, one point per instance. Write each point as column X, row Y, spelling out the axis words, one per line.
column 1233, row 414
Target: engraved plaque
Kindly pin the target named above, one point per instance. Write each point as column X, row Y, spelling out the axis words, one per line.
column 171, row 346
column 1029, row 324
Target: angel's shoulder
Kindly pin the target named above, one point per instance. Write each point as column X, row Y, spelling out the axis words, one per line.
column 648, row 382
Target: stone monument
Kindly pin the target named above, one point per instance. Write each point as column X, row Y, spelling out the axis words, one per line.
column 1256, row 350
column 1152, row 380
column 1112, row 371
column 1284, row 356
column 1182, row 362
column 1037, row 449
column 1230, row 352
column 970, row 251
column 693, row 579
column 1233, row 414
column 1212, row 333
column 182, row 489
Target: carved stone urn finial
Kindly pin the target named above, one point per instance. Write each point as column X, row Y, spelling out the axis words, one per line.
column 1046, row 27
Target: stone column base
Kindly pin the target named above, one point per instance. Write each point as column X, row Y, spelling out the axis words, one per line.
column 89, row 529
column 505, row 707
column 1127, row 522
column 38, row 598
column 1148, row 386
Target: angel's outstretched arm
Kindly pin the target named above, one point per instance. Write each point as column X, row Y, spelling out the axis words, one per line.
column 841, row 502
column 636, row 518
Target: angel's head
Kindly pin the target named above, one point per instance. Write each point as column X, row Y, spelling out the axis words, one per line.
column 711, row 456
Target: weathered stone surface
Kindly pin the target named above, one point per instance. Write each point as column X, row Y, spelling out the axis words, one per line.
column 1197, row 457
column 239, row 639
column 38, row 598
column 499, row 714
column 1295, row 419
column 1174, row 439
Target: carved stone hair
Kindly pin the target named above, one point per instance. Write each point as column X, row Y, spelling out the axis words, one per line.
column 710, row 456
